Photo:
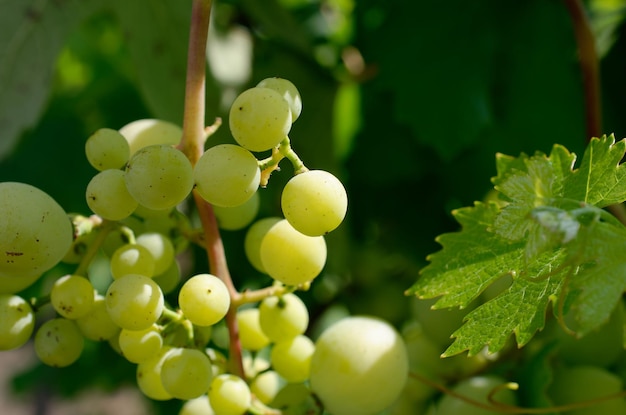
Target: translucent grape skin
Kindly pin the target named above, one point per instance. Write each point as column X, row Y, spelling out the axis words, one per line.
column 159, row 176
column 197, row 406
column 204, row 299
column 291, row 257
column 107, row 149
column 229, row 395
column 35, row 231
column 148, row 376
column 140, row 345
column 58, row 342
column 253, row 238
column 288, row 91
column 108, row 197
column 146, row 132
column 250, row 334
column 72, row 296
column 134, row 302
column 132, row 259
column 186, row 373
column 161, row 248
column 227, row 175
column 265, row 386
column 97, row 325
column 359, row 366
column 282, row 318
column 259, row 119
column 314, row 202
column 292, row 358
column 17, row 321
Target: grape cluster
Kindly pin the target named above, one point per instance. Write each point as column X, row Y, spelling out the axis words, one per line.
column 138, row 195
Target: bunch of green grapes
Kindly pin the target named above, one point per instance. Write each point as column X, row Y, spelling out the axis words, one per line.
column 140, row 228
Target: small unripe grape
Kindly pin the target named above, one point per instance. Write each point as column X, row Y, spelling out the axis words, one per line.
column 17, row 321
column 108, row 197
column 58, row 342
column 72, row 296
column 288, row 91
column 107, row 149
column 229, row 395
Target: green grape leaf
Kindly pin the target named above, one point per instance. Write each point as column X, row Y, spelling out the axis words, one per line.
column 548, row 232
column 32, row 34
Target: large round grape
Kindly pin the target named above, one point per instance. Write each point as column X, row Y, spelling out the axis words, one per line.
column 314, row 202
column 108, row 197
column 186, row 373
column 17, row 321
column 149, row 131
column 291, row 257
column 283, row 318
column 58, row 342
column 227, row 175
column 359, row 366
column 260, row 118
column 159, row 176
column 35, row 232
column 204, row 299
column 134, row 302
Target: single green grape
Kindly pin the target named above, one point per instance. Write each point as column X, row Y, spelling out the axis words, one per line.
column 359, row 367
column 35, row 232
column 148, row 375
column 229, row 395
column 197, row 406
column 204, row 299
column 292, row 358
column 186, row 373
column 159, row 176
column 132, row 259
column 58, row 342
column 161, row 248
column 72, row 296
column 227, row 175
column 266, row 385
column 314, row 202
column 97, row 325
column 107, row 149
column 288, row 91
column 260, row 118
column 284, row 317
column 108, row 197
column 17, row 321
column 291, row 257
column 147, row 132
column 250, row 334
column 139, row 345
column 237, row 217
column 134, row 302
column 253, row 238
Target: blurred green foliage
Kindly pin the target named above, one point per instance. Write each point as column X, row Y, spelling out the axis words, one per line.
column 407, row 101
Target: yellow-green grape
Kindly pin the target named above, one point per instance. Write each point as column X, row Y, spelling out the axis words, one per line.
column 11, row 284
column 159, row 176
column 186, row 373
column 291, row 257
column 108, row 197
column 107, row 149
column 132, row 259
column 351, row 358
column 134, row 302
column 97, row 325
column 477, row 388
column 283, row 317
column 288, row 91
column 292, row 358
column 197, row 406
column 72, row 296
column 237, row 217
column 58, row 342
column 229, row 395
column 253, row 238
column 140, row 345
column 314, row 202
column 250, row 334
column 204, row 299
column 160, row 247
column 148, row 376
column 147, row 132
column 266, row 385
column 35, row 232
column 584, row 383
column 294, row 398
column 259, row 119
column 169, row 280
column 17, row 321
column 227, row 175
